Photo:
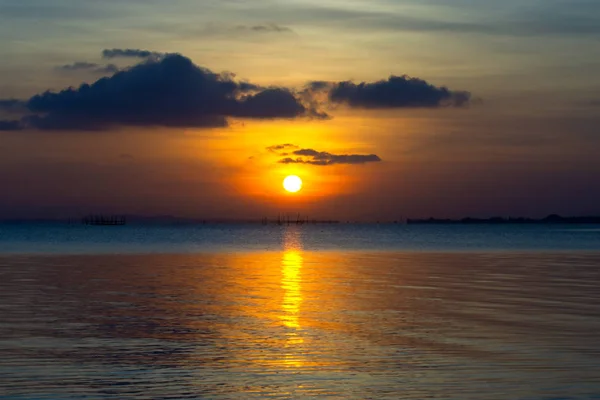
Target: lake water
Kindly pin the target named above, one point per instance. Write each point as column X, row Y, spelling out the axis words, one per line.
column 337, row 311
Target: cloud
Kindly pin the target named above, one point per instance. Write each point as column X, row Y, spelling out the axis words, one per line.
column 243, row 31
column 267, row 28
column 270, row 103
column 277, row 148
column 87, row 66
column 395, row 92
column 8, row 125
column 12, row 105
column 131, row 53
column 171, row 92
column 79, row 65
column 323, row 158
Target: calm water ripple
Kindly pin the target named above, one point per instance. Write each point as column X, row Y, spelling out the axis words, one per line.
column 301, row 324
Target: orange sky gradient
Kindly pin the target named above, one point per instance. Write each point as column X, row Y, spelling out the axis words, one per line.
column 524, row 146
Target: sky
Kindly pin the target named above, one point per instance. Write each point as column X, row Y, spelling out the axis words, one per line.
column 386, row 109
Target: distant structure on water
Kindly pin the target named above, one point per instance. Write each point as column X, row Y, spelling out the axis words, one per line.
column 294, row 220
column 104, row 220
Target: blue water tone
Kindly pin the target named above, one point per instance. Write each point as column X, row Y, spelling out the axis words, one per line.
column 79, row 239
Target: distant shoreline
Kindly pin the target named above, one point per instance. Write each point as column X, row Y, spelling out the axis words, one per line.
column 182, row 221
column 550, row 219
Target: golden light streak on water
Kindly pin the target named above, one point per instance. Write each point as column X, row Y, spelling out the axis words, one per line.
column 291, row 284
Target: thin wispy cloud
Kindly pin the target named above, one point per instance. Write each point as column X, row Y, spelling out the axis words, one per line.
column 511, row 18
column 265, row 28
column 131, row 53
column 87, row 66
column 279, row 147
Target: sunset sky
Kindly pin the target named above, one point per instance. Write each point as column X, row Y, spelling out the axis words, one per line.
column 385, row 108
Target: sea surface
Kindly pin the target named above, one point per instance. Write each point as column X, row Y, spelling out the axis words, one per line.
column 51, row 238
column 313, row 311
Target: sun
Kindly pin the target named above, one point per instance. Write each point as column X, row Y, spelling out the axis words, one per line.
column 292, row 183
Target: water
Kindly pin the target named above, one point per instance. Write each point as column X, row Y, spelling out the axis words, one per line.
column 80, row 239
column 300, row 312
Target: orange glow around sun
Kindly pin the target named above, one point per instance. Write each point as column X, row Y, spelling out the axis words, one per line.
column 292, row 183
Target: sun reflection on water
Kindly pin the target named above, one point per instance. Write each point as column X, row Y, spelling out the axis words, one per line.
column 291, row 284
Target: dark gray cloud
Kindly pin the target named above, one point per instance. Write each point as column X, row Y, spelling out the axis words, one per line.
column 87, row 66
column 270, row 103
column 131, row 53
column 323, row 158
column 10, row 125
column 395, row 92
column 12, row 105
column 170, row 91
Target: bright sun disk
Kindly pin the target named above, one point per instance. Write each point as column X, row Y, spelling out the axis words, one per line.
column 292, row 183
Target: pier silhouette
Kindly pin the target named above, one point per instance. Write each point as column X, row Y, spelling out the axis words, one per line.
column 104, row 220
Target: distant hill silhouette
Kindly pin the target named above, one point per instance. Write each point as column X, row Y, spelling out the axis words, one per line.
column 550, row 219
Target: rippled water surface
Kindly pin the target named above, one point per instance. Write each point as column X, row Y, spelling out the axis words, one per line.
column 296, row 323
